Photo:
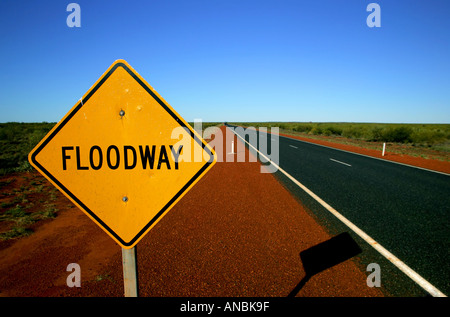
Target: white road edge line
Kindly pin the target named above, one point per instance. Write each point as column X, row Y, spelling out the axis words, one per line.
column 293, row 146
column 427, row 286
column 339, row 162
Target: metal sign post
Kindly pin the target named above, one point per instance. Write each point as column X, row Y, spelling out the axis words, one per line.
column 130, row 278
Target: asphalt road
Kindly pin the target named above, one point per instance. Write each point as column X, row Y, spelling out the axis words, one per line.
column 405, row 209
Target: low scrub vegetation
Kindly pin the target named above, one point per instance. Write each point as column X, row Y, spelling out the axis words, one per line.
column 415, row 134
column 16, row 141
column 25, row 200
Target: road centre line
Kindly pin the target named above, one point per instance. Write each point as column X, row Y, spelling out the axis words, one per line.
column 427, row 286
column 372, row 157
column 339, row 162
column 293, row 146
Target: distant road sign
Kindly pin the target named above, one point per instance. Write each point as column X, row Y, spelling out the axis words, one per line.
column 116, row 156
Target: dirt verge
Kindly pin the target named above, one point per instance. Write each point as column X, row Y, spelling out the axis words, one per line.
column 238, row 232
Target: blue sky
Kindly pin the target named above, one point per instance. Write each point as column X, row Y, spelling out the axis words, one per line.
column 227, row 60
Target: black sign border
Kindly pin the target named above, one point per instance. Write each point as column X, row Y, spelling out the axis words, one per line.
column 79, row 202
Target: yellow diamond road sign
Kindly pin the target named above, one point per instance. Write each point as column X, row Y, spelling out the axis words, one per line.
column 123, row 155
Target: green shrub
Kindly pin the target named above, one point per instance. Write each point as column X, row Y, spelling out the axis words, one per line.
column 15, row 232
column 16, row 212
column 16, row 141
column 332, row 130
column 400, row 134
column 429, row 136
column 316, row 131
column 303, row 128
column 376, row 134
column 353, row 132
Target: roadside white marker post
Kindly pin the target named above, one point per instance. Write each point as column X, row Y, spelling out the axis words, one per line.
column 384, row 148
column 130, row 279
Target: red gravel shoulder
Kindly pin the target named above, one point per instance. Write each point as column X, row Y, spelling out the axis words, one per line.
column 238, row 232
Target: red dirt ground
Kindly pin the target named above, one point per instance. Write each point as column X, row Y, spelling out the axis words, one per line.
column 238, row 232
